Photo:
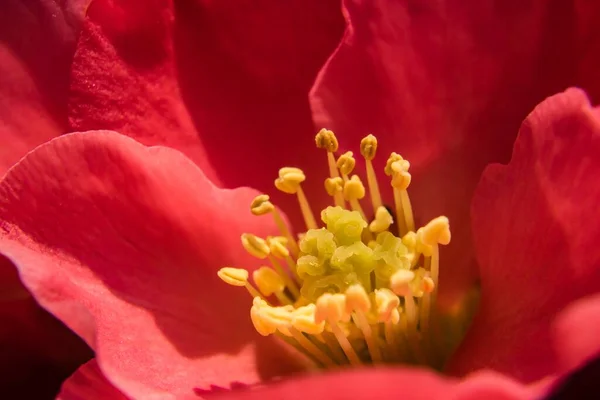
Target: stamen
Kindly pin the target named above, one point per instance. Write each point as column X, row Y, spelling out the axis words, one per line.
column 368, row 149
column 331, row 308
column 326, row 139
column 289, row 182
column 346, row 164
column 270, row 283
column 255, row 246
column 358, row 302
column 289, row 283
column 345, row 294
column 397, row 168
column 278, row 249
column 334, row 188
column 436, row 232
column 387, row 304
column 261, row 206
column 353, row 192
column 238, row 277
column 383, row 220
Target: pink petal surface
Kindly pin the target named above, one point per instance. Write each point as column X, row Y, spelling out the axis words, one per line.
column 123, row 242
column 225, row 82
column 37, row 43
column 407, row 384
column 576, row 333
column 534, row 221
column 89, row 383
column 446, row 84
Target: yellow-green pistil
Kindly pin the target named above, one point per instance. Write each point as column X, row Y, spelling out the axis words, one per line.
column 353, row 290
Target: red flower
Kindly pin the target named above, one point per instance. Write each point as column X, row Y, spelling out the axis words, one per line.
column 122, row 242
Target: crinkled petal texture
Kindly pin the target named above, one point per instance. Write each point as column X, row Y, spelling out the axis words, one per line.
column 122, row 242
column 446, row 84
column 407, row 384
column 536, row 235
column 37, row 43
column 225, row 82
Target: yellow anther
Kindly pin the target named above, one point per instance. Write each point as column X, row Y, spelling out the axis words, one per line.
column 268, row 281
column 383, row 220
column 326, row 139
column 410, row 240
column 331, row 308
column 334, row 186
column 279, row 318
column 354, row 188
column 256, row 246
column 397, row 168
column 265, row 329
column 357, row 299
column 261, row 205
column 421, row 247
column 346, row 163
column 303, row 319
column 386, row 303
column 394, row 157
column 368, row 147
column 399, row 282
column 437, row 231
column 233, row 276
column 289, row 180
column 277, row 247
column 401, row 178
column 428, row 285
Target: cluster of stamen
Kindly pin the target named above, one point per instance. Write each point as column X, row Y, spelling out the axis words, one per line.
column 354, row 289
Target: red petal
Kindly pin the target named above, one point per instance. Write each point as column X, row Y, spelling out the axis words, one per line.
column 224, row 82
column 536, row 237
column 407, row 384
column 89, row 383
column 576, row 333
column 131, row 238
column 38, row 43
column 445, row 84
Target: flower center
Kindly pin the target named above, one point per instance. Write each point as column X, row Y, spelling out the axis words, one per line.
column 354, row 290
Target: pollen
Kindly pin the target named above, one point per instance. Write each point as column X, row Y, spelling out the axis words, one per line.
column 359, row 284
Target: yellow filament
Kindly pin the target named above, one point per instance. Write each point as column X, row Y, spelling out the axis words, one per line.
column 293, row 267
column 334, row 187
column 400, row 217
column 373, row 186
column 391, row 337
column 282, row 226
column 407, row 211
column 333, row 172
column 307, row 214
column 345, row 344
column 311, row 348
column 289, row 283
column 368, row 148
column 253, row 292
column 411, row 316
column 424, row 308
column 360, row 319
column 334, row 347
